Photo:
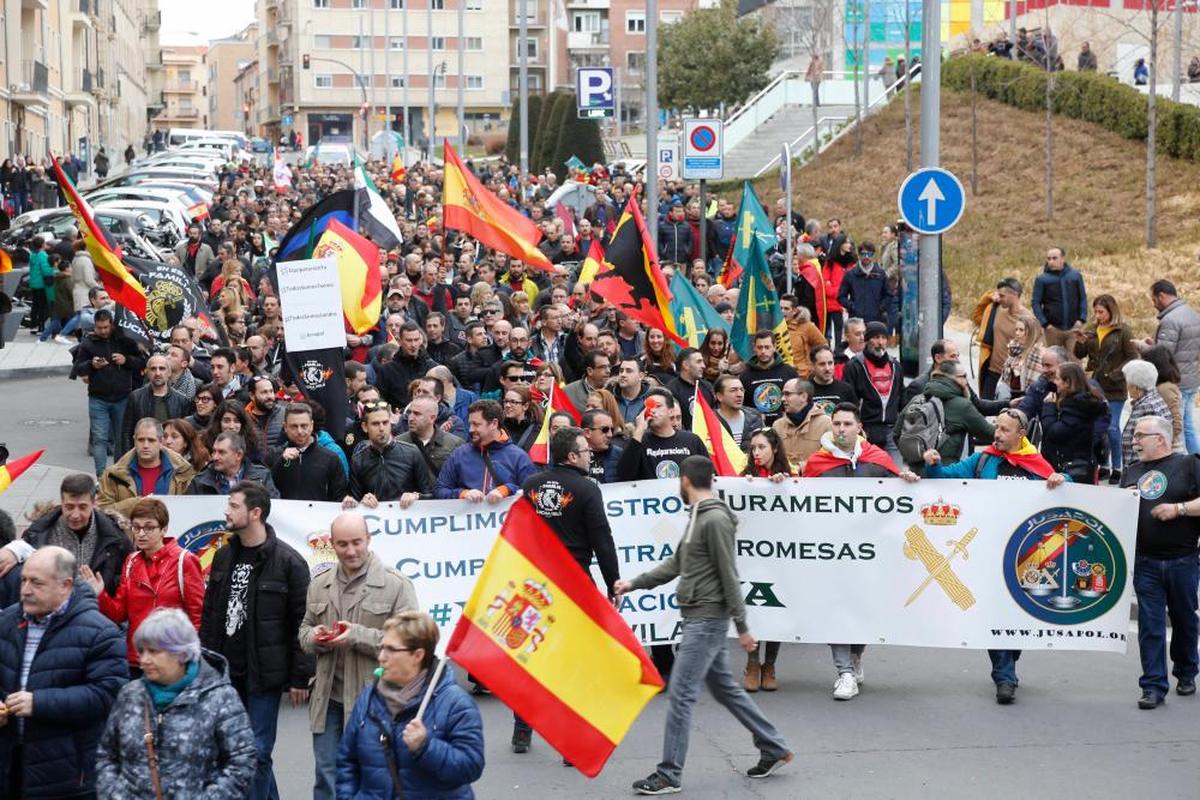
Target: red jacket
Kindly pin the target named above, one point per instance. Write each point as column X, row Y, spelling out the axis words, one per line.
column 832, row 272
column 150, row 583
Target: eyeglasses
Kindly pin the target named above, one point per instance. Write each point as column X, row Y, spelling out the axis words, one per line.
column 151, row 528
column 376, row 405
column 602, row 429
column 1140, row 435
column 391, row 651
column 203, row 398
column 510, row 402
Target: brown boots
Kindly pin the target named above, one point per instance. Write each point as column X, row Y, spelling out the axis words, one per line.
column 759, row 676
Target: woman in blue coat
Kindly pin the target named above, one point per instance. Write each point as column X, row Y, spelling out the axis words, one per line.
column 435, row 758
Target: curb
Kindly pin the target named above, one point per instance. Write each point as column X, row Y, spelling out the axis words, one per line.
column 35, row 372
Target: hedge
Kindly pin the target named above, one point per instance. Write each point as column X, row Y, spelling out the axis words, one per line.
column 1086, row 96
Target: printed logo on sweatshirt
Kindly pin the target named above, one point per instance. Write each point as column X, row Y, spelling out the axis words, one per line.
column 1152, row 485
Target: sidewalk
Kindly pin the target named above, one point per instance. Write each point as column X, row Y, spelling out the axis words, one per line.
column 26, row 357
column 39, row 482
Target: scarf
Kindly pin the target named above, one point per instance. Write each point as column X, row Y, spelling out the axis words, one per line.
column 797, row 419
column 831, row 456
column 1026, row 457
column 163, row 696
column 396, row 697
column 82, row 546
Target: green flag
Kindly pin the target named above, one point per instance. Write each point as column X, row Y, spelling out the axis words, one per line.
column 752, row 223
column 758, row 308
column 694, row 315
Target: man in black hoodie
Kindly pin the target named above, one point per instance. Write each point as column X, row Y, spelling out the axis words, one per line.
column 411, row 361
column 304, row 470
column 109, row 362
column 764, row 378
column 878, row 381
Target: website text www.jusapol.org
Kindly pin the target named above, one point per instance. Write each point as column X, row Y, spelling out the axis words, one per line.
column 1059, row 633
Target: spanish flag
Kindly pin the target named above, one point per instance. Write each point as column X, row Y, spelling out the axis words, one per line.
column 592, row 263
column 539, row 453
column 398, row 170
column 538, row 634
column 6, row 262
column 118, row 282
column 630, row 277
column 358, row 273
column 471, row 208
column 12, row 470
column 728, row 459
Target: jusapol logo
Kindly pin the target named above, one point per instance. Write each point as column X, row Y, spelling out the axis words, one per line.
column 1064, row 566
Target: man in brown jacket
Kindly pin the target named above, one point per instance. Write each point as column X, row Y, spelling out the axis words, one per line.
column 803, row 422
column 343, row 625
column 149, row 468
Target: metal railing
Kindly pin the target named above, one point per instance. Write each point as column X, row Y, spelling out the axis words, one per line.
column 36, row 76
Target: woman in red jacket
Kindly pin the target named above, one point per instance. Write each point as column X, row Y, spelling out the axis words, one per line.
column 767, row 460
column 158, row 574
column 841, row 257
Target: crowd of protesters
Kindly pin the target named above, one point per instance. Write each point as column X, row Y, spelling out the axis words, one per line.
column 445, row 398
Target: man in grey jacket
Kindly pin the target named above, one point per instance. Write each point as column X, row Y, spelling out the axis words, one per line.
column 709, row 595
column 1179, row 332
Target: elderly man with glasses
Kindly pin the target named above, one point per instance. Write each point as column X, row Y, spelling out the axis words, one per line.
column 1166, row 573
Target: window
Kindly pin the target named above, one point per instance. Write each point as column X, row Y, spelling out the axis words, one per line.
column 184, row 75
column 396, row 4
column 535, row 82
column 359, row 42
column 320, row 3
column 396, row 43
column 635, row 22
column 585, row 22
column 670, row 17
column 438, row 5
column 322, row 42
column 358, row 3
column 474, row 5
column 531, row 49
column 323, row 81
column 439, row 80
column 438, row 43
column 397, row 81
column 635, row 61
column 474, row 81
column 474, row 43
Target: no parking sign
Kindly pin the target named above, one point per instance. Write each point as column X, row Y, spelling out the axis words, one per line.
column 703, row 149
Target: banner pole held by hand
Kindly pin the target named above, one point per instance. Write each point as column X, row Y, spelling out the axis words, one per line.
column 433, row 681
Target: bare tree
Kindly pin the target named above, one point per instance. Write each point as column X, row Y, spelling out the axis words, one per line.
column 814, row 33
column 1152, row 133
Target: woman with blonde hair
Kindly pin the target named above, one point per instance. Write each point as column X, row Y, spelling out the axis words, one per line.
column 231, row 276
column 606, row 401
column 1107, row 344
column 1024, row 363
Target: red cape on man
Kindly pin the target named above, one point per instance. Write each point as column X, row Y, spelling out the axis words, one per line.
column 822, row 461
column 1030, row 462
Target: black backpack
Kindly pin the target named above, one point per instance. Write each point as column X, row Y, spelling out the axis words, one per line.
column 922, row 427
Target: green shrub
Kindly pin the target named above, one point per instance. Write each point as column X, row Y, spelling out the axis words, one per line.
column 1086, row 96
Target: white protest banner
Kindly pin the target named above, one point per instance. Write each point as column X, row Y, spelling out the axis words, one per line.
column 939, row 563
column 310, row 299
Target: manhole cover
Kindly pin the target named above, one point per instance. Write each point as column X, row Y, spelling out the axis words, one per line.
column 45, row 423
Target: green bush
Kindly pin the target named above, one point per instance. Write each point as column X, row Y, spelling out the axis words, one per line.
column 512, row 147
column 1086, row 96
column 577, row 137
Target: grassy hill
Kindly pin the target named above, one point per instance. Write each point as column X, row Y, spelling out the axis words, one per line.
column 1099, row 198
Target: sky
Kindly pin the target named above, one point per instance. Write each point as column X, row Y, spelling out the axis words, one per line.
column 188, row 22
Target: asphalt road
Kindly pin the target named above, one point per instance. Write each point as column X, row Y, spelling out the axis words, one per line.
column 47, row 411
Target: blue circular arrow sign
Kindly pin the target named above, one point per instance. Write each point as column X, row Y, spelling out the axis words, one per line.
column 931, row 200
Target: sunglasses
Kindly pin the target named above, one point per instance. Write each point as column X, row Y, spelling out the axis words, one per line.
column 602, row 429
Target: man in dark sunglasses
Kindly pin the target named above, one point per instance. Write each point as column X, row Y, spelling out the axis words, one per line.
column 599, row 429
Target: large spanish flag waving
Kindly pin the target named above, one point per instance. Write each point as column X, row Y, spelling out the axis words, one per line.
column 728, row 459
column 12, row 470
column 538, row 633
column 469, row 207
column 121, row 286
column 358, row 273
column 630, row 277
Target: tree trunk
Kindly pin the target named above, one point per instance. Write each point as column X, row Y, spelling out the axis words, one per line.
column 974, row 137
column 865, row 65
column 1050, row 78
column 858, row 110
column 1152, row 135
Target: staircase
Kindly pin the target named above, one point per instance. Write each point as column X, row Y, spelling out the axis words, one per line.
column 791, row 124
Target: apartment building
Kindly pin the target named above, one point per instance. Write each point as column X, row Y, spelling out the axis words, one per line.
column 225, row 60
column 185, row 88
column 73, row 75
column 245, row 94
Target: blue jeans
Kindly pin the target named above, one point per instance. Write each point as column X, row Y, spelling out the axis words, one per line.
column 1004, row 666
column 105, row 418
column 1166, row 589
column 1191, row 440
column 263, row 710
column 1115, row 407
column 325, row 751
column 702, row 655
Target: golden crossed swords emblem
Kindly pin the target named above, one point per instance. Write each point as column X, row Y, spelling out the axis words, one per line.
column 918, row 546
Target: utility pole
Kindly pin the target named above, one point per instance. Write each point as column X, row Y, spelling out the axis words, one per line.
column 387, row 90
column 929, row 299
column 366, row 110
column 431, row 135
column 1012, row 26
column 462, row 79
column 652, row 119
column 404, row 84
column 523, row 80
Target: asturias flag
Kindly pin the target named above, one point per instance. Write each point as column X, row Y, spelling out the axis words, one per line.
column 471, row 208
column 758, row 309
column 728, row 459
column 546, row 641
column 12, row 470
column 630, row 277
column 358, row 273
column 121, row 286
column 694, row 315
column 752, row 223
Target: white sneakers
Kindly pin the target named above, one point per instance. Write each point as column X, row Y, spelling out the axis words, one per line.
column 846, row 687
column 857, row 667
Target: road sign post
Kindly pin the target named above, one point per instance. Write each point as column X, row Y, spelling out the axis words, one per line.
column 930, row 302
column 595, row 92
column 703, row 149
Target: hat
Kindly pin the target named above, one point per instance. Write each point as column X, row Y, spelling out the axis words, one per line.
column 721, row 308
column 676, row 202
column 876, row 328
column 396, row 292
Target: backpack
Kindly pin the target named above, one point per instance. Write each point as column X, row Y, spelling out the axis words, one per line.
column 922, row 427
column 183, row 554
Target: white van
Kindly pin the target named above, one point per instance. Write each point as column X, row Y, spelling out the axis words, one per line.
column 178, row 136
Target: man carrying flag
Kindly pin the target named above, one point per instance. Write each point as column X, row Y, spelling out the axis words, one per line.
column 728, row 459
column 758, row 310
column 710, row 594
column 571, row 504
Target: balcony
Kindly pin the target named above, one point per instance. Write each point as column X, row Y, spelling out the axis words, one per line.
column 80, row 13
column 34, row 86
column 587, row 40
column 155, row 64
column 184, row 113
column 152, row 22
column 35, row 5
column 592, row 5
column 181, row 87
column 532, row 21
column 272, row 38
column 272, row 75
column 81, row 93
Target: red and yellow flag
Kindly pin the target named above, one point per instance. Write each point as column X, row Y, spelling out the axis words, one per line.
column 539, row 453
column 592, row 263
column 728, row 459
column 358, row 273
column 538, row 634
column 469, row 207
column 120, row 284
column 12, row 470
column 398, row 170
column 6, row 262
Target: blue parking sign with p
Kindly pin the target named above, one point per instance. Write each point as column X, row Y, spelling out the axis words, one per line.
column 595, row 91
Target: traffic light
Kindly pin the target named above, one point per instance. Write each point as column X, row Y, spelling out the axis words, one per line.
column 305, row 57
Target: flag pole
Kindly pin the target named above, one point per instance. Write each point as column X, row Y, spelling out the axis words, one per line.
column 433, row 682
